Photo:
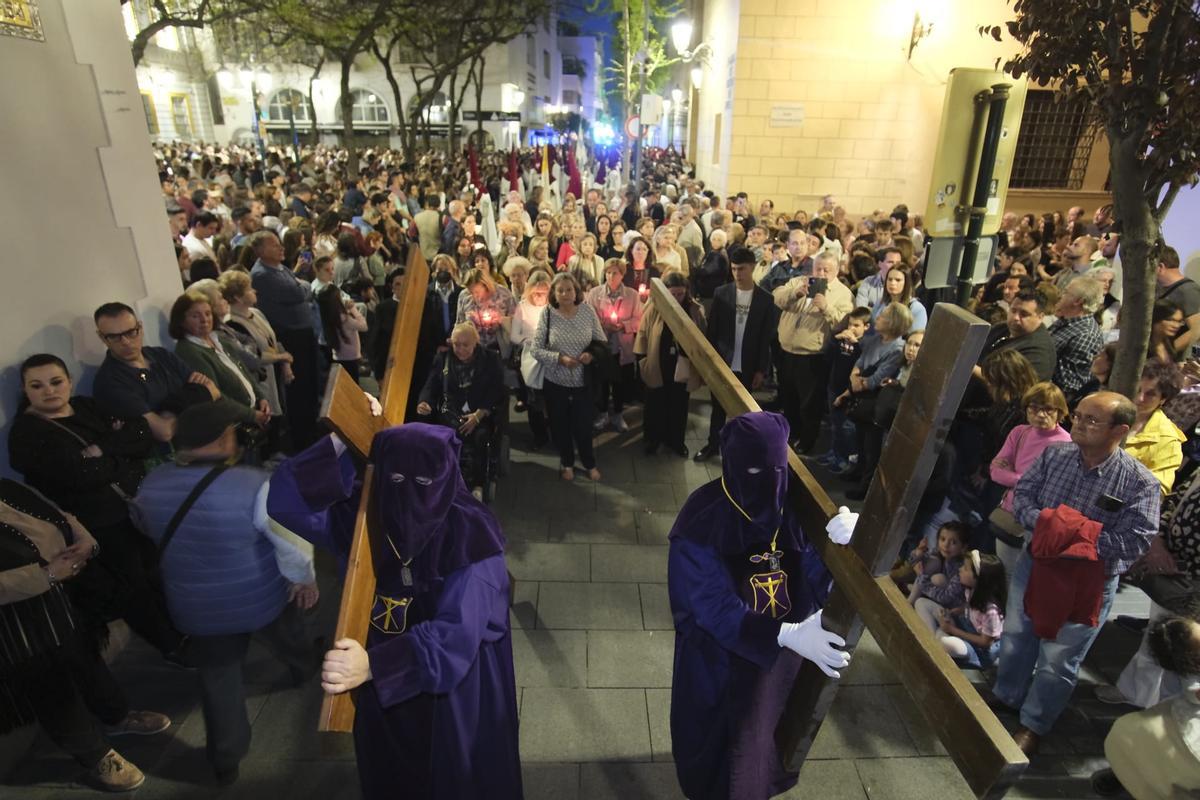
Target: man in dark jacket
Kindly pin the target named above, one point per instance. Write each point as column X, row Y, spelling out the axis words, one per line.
column 740, row 327
column 464, row 391
column 1025, row 333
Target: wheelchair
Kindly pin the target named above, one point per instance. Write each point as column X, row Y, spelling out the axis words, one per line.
column 485, row 454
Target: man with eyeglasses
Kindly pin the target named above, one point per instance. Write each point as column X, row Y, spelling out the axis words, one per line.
column 135, row 380
column 1095, row 477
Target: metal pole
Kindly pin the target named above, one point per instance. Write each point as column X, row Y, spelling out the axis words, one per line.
column 997, row 99
column 262, row 148
column 637, row 145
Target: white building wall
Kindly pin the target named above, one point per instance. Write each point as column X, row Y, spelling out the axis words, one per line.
column 507, row 72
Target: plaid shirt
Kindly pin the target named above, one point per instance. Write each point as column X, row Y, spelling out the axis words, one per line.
column 1058, row 477
column 1076, row 341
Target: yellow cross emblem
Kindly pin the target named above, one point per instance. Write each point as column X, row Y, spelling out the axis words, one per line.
column 390, row 614
column 770, row 593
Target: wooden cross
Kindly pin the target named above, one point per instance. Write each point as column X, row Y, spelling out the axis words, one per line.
column 346, row 410
column 982, row 749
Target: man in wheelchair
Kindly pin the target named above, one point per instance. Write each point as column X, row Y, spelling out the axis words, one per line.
column 464, row 391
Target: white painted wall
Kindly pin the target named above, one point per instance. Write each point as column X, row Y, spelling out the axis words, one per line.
column 715, row 99
column 1181, row 231
column 85, row 221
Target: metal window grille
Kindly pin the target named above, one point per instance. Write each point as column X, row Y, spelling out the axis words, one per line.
column 1055, row 143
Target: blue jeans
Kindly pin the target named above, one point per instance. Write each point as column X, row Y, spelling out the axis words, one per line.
column 977, row 657
column 1037, row 676
column 842, row 442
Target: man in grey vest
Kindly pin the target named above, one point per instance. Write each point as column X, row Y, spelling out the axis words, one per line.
column 227, row 573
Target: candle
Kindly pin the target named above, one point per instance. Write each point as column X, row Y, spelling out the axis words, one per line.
column 487, row 317
column 643, row 290
column 613, row 315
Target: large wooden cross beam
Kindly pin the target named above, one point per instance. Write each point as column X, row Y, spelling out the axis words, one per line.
column 982, row 749
column 346, row 410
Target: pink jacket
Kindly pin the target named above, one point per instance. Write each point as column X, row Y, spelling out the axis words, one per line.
column 1022, row 447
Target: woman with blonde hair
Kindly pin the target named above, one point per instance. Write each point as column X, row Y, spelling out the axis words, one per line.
column 573, row 231
column 668, row 376
column 666, row 256
column 244, row 317
column 533, row 305
column 620, row 312
column 586, row 265
column 539, row 254
column 489, row 307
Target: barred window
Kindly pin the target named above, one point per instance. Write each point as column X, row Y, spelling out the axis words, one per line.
column 1055, row 143
column 287, row 104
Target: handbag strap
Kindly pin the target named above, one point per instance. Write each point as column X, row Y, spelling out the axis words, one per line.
column 121, row 493
column 188, row 502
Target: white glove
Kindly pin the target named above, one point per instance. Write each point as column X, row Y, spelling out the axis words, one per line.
column 376, row 408
column 810, row 640
column 841, row 527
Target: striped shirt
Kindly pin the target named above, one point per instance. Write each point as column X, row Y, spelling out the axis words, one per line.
column 1058, row 477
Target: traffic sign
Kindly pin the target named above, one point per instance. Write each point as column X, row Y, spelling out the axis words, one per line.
column 633, row 127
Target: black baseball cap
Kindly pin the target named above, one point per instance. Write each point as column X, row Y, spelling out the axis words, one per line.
column 204, row 423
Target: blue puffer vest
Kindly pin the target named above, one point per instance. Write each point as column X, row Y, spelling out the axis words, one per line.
column 219, row 572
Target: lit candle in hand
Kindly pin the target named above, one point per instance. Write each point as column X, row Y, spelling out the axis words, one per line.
column 643, row 290
column 613, row 315
column 487, row 317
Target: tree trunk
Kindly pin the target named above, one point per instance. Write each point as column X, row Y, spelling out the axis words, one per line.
column 1139, row 232
column 452, row 117
column 314, row 137
column 401, row 123
column 479, row 102
column 347, row 104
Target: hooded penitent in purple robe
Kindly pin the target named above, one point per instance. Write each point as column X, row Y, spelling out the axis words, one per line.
column 730, row 590
column 438, row 719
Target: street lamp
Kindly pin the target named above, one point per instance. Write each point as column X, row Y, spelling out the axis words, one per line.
column 681, row 35
column 697, row 77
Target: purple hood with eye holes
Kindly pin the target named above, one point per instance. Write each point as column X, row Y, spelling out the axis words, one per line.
column 751, row 441
column 424, row 505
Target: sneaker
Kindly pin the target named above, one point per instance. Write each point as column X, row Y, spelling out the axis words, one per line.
column 1111, row 695
column 139, row 723
column 115, row 774
column 600, row 423
column 618, row 423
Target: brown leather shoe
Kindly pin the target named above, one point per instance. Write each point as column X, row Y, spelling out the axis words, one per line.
column 1027, row 740
column 115, row 774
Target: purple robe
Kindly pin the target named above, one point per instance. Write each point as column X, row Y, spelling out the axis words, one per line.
column 439, row 717
column 731, row 677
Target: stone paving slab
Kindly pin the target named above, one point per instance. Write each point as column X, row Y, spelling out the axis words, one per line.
column 863, row 723
column 912, row 779
column 633, row 563
column 606, row 781
column 656, row 607
column 588, row 606
column 523, row 612
column 550, row 658
column 658, row 703
column 588, row 526
column 550, row 781
column 653, row 527
column 584, row 725
column 640, row 496
column 827, row 780
column 545, row 561
column 630, row 659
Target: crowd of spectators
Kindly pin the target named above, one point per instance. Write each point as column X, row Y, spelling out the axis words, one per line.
column 290, row 267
